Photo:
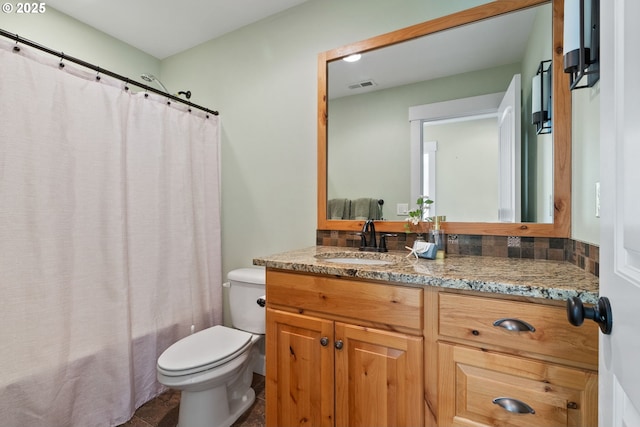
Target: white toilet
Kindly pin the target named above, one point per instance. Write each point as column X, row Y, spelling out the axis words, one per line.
column 214, row 367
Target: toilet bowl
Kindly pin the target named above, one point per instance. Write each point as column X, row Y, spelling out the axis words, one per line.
column 213, row 368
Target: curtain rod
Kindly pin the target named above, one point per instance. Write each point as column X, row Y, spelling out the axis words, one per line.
column 85, row 64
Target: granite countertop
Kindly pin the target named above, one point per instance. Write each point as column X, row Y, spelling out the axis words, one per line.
column 555, row 280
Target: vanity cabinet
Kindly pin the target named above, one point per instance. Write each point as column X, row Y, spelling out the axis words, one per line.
column 343, row 352
column 510, row 363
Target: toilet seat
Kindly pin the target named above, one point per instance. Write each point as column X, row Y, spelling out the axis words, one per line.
column 203, row 350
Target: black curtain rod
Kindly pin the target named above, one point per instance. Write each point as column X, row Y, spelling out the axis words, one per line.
column 99, row 70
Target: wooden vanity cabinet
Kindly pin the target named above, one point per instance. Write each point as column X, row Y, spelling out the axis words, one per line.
column 511, row 363
column 343, row 352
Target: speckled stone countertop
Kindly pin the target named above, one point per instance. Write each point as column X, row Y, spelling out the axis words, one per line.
column 553, row 280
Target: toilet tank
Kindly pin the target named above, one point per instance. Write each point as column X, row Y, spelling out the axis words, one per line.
column 246, row 285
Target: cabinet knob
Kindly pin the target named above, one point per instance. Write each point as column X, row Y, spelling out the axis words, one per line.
column 513, row 405
column 339, row 344
column 599, row 313
column 324, row 341
column 516, row 325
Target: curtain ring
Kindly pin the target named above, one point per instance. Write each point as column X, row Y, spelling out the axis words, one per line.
column 16, row 48
column 61, row 64
column 126, row 84
column 98, row 74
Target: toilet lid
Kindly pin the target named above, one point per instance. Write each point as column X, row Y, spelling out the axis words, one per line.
column 203, row 350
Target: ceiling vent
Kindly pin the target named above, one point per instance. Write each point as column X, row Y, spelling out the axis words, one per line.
column 362, row 84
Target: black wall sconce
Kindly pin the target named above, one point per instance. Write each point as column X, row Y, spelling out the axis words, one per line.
column 582, row 42
column 541, row 98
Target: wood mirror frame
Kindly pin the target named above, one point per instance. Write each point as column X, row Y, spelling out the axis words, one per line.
column 561, row 226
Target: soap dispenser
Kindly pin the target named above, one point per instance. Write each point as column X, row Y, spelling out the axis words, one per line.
column 437, row 236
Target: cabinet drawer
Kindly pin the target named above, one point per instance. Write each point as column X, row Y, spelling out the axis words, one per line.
column 484, row 388
column 384, row 305
column 475, row 319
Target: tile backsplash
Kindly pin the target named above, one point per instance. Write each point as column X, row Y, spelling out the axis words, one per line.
column 584, row 255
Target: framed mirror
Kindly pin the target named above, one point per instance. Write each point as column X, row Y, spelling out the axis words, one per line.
column 386, row 170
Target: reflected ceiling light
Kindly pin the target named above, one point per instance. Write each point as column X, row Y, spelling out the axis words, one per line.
column 541, row 98
column 352, row 58
column 581, row 42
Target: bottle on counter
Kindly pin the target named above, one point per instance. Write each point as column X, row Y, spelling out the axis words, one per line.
column 437, row 236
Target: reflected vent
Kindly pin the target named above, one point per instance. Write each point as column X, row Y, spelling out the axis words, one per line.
column 363, row 84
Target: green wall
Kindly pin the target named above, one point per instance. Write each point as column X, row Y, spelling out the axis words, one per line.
column 263, row 79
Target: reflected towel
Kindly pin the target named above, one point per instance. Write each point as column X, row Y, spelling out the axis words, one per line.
column 338, row 208
column 374, row 209
column 361, row 208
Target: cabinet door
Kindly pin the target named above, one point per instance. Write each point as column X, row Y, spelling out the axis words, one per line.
column 379, row 378
column 479, row 388
column 300, row 357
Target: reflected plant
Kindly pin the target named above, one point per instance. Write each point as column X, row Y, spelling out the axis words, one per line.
column 419, row 214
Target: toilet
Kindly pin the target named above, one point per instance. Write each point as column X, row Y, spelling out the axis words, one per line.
column 214, row 367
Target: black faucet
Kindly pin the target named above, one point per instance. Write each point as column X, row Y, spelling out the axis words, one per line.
column 372, row 246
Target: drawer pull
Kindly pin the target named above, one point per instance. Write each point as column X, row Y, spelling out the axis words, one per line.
column 324, row 341
column 513, row 405
column 514, row 325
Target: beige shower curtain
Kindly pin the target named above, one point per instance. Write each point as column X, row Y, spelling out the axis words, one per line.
column 109, row 240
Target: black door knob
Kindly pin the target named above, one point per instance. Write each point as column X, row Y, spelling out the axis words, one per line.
column 599, row 313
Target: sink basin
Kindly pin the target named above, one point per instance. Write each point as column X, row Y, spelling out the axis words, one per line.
column 362, row 261
column 359, row 258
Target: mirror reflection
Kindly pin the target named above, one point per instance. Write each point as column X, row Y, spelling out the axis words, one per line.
column 380, row 149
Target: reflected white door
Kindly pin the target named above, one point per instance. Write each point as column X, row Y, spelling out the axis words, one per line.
column 509, row 154
column 619, row 374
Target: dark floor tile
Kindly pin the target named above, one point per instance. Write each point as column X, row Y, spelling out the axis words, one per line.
column 136, row 422
column 170, row 397
column 154, row 411
column 170, row 419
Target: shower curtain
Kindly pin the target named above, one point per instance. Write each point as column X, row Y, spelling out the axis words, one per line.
column 109, row 240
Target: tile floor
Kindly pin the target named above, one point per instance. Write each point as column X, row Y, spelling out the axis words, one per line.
column 163, row 410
